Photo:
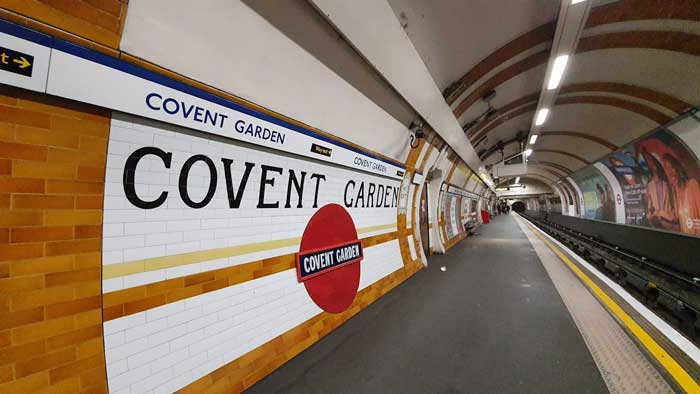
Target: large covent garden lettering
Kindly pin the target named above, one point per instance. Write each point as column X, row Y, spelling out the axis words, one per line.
column 357, row 194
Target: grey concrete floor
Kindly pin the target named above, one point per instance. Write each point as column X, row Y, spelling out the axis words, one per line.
column 492, row 323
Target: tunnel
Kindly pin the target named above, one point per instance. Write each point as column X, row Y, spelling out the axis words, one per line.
column 519, row 206
column 326, row 196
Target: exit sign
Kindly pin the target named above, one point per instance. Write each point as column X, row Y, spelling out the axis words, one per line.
column 23, row 63
column 16, row 62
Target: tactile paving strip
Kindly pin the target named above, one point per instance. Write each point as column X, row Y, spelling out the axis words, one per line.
column 623, row 367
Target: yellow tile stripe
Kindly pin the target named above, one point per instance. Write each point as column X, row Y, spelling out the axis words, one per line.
column 674, row 369
column 370, row 229
column 111, row 271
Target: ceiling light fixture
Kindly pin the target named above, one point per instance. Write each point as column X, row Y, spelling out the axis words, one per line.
column 528, row 152
column 541, row 116
column 517, row 180
column 577, row 1
column 557, row 71
column 533, row 139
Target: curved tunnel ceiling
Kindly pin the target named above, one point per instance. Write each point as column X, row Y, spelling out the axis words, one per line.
column 635, row 68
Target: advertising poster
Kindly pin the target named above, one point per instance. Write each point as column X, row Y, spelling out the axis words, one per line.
column 447, row 209
column 456, row 221
column 598, row 197
column 631, row 174
column 466, row 203
column 659, row 179
column 472, row 210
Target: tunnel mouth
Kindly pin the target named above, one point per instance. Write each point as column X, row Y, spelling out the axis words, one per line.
column 519, row 206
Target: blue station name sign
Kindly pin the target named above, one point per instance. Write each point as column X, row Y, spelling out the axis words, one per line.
column 316, row 262
column 78, row 73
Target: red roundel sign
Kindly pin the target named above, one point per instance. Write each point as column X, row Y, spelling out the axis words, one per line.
column 328, row 262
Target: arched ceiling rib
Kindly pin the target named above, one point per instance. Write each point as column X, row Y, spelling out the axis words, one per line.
column 561, row 152
column 634, row 68
column 648, row 112
column 671, row 103
column 556, row 166
column 538, row 177
column 565, row 161
column 576, row 134
column 658, row 40
column 573, row 145
column 631, row 106
column 543, row 173
column 554, row 173
column 616, row 12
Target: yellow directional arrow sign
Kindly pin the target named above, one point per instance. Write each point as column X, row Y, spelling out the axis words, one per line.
column 22, row 61
column 16, row 62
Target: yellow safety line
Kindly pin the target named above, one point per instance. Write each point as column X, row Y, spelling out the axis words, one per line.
column 677, row 372
column 117, row 270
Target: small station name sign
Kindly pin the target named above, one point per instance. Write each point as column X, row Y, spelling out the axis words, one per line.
column 321, row 150
column 47, row 64
column 461, row 192
column 316, row 262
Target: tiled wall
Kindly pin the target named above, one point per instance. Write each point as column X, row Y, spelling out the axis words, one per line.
column 188, row 291
column 165, row 348
column 136, row 236
column 190, row 299
column 248, row 369
column 52, row 158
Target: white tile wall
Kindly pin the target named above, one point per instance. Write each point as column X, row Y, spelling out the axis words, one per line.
column 380, row 261
column 190, row 338
column 409, row 206
column 412, row 247
column 132, row 233
column 377, row 232
column 163, row 349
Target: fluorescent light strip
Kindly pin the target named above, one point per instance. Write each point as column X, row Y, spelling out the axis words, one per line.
column 533, row 139
column 557, row 71
column 528, row 152
column 517, row 180
column 541, row 116
column 577, row 1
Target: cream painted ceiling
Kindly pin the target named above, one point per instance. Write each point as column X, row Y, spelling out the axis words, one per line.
column 453, row 36
column 636, row 67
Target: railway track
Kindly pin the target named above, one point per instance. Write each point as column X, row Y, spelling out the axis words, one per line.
column 672, row 294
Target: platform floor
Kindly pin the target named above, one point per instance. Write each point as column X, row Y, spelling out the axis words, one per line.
column 493, row 322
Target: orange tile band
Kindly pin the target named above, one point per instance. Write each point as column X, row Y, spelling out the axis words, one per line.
column 246, row 370
column 52, row 160
column 140, row 298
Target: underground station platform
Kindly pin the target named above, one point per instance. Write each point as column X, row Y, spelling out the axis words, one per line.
column 332, row 196
column 512, row 310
